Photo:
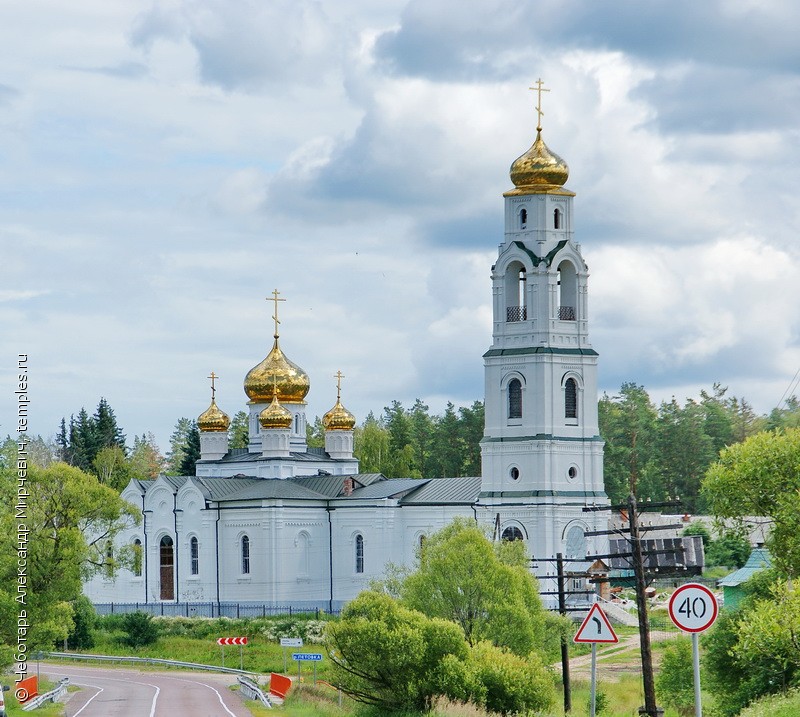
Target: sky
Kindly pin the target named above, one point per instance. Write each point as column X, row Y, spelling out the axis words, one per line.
column 165, row 167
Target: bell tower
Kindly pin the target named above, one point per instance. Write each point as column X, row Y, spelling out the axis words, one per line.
column 541, row 454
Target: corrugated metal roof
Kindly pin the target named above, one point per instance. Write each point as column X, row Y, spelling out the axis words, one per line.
column 446, row 490
column 389, row 488
column 759, row 560
column 247, row 457
column 220, row 488
column 267, row 488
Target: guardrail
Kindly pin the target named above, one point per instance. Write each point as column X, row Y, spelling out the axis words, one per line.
column 147, row 661
column 51, row 696
column 253, row 692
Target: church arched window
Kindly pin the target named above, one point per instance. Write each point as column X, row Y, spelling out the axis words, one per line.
column 359, row 553
column 245, row 554
column 109, row 561
column 137, row 558
column 571, row 398
column 567, row 291
column 516, row 309
column 557, row 219
column 511, row 533
column 302, row 553
column 194, row 556
column 514, row 398
column 523, row 218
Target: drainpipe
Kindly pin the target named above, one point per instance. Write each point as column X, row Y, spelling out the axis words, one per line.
column 175, row 512
column 330, row 557
column 144, row 556
column 216, row 550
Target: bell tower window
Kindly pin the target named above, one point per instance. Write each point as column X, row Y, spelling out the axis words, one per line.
column 514, row 398
column 516, row 309
column 523, row 218
column 567, row 291
column 571, row 398
column 557, row 219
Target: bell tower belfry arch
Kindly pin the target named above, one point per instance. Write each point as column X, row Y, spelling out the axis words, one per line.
column 541, row 454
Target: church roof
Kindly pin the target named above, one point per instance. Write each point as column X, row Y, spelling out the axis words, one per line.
column 389, row 488
column 265, row 489
column 446, row 490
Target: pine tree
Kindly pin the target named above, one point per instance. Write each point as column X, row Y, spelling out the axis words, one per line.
column 178, row 442
column 192, row 452
column 239, row 431
column 106, row 431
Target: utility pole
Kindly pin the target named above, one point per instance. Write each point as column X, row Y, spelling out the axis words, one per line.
column 562, row 609
column 648, row 679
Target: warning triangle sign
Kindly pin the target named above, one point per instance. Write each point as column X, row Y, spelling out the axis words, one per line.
column 596, row 627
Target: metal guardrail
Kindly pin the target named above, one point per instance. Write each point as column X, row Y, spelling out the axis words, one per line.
column 253, row 692
column 51, row 696
column 147, row 661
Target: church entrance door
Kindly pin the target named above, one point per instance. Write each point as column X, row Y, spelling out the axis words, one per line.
column 167, row 575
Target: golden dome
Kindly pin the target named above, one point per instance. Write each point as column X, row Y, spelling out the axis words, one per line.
column 538, row 170
column 338, row 419
column 275, row 415
column 290, row 381
column 213, row 419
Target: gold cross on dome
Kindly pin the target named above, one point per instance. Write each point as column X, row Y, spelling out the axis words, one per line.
column 275, row 299
column 338, row 376
column 213, row 378
column 539, row 89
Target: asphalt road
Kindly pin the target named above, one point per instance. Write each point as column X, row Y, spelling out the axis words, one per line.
column 130, row 693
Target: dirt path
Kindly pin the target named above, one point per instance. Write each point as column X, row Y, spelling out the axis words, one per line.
column 615, row 660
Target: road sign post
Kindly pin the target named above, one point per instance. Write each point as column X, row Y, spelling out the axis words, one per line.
column 595, row 629
column 289, row 642
column 240, row 641
column 302, row 657
column 693, row 608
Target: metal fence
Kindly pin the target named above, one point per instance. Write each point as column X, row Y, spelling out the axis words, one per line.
column 221, row 609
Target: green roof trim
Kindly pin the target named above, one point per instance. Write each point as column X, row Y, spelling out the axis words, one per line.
column 540, row 350
column 543, row 494
column 547, row 259
column 540, row 437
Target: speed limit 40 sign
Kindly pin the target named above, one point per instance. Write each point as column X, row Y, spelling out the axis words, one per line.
column 693, row 607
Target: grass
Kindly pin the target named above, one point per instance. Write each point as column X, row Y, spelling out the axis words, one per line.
column 48, row 710
column 775, row 706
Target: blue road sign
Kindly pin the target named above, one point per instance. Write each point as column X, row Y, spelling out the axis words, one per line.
column 307, row 656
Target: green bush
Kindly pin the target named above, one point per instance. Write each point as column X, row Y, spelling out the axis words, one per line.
column 139, row 629
column 81, row 637
column 513, row 684
column 675, row 681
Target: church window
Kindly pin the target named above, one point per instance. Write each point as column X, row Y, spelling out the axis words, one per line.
column 516, row 309
column 571, row 398
column 557, row 219
column 302, row 554
column 523, row 218
column 194, row 556
column 575, row 543
column 109, row 562
column 421, row 541
column 359, row 553
column 297, row 424
column 137, row 558
column 167, row 568
column 514, row 398
column 514, row 473
column 245, row 546
column 512, row 533
column 567, row 281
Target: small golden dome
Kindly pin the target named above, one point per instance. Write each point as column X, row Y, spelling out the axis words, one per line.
column 276, row 373
column 338, row 419
column 538, row 170
column 213, row 419
column 275, row 415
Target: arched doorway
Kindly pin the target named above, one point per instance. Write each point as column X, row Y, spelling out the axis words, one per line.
column 167, row 568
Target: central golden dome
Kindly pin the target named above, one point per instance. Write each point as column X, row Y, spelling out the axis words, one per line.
column 538, row 170
column 276, row 374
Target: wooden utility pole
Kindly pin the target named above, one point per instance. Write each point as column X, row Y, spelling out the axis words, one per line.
column 648, row 679
column 562, row 608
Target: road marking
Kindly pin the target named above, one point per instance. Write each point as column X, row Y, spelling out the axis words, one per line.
column 99, row 690
column 115, row 679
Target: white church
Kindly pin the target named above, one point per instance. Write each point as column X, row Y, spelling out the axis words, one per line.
column 279, row 524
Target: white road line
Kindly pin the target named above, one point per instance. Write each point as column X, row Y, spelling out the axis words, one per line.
column 195, row 682
column 127, row 682
column 82, row 684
